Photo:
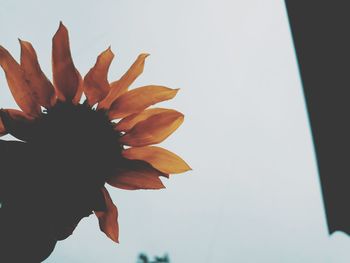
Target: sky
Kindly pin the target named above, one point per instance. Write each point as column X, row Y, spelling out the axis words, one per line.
column 254, row 193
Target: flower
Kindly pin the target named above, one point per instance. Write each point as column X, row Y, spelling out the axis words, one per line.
column 75, row 148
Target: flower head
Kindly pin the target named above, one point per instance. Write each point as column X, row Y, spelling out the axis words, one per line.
column 75, row 148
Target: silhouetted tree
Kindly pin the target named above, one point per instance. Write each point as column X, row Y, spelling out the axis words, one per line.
column 143, row 258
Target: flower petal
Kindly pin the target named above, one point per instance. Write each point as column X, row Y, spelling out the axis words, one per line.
column 139, row 99
column 153, row 130
column 65, row 78
column 108, row 220
column 80, row 89
column 18, row 124
column 161, row 159
column 37, row 80
column 137, row 175
column 25, row 97
column 18, row 115
column 2, row 128
column 121, row 86
column 128, row 122
column 96, row 85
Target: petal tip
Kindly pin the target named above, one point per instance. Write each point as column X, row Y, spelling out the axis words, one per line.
column 24, row 44
column 3, row 52
column 114, row 238
column 142, row 57
column 107, row 54
column 109, row 50
column 61, row 27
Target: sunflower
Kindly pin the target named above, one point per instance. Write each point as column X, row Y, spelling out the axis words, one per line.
column 71, row 149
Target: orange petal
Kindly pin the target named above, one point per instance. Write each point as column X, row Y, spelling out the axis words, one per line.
column 80, row 89
column 18, row 124
column 18, row 115
column 2, row 128
column 96, row 85
column 65, row 78
column 127, row 123
column 139, row 175
column 121, row 86
column 161, row 159
column 137, row 100
column 37, row 80
column 25, row 97
column 153, row 130
column 108, row 220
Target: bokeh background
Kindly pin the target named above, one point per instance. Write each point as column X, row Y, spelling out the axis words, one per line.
column 254, row 194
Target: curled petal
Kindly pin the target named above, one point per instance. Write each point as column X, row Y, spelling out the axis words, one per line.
column 108, row 220
column 25, row 97
column 128, row 122
column 161, row 159
column 37, row 80
column 137, row 100
column 18, row 115
column 18, row 124
column 96, row 86
column 65, row 78
column 153, row 130
column 2, row 128
column 137, row 175
column 80, row 89
column 121, row 86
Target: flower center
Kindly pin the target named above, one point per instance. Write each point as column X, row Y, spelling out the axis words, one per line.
column 81, row 139
column 68, row 152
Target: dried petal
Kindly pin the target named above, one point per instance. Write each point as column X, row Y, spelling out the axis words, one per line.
column 25, row 97
column 37, row 80
column 161, row 159
column 137, row 175
column 96, row 85
column 18, row 124
column 65, row 78
column 121, row 86
column 108, row 220
column 137, row 100
column 153, row 130
column 18, row 115
column 80, row 89
column 128, row 122
column 2, row 128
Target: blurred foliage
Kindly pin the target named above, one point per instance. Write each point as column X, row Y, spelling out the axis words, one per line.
column 143, row 258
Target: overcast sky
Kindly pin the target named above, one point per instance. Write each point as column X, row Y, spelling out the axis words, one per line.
column 254, row 194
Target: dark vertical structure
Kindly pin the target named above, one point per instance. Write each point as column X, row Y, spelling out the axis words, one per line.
column 321, row 33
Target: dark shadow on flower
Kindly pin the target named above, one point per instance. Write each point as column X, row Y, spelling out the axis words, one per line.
column 47, row 186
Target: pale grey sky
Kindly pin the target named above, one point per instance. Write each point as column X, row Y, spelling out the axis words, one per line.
column 254, row 193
